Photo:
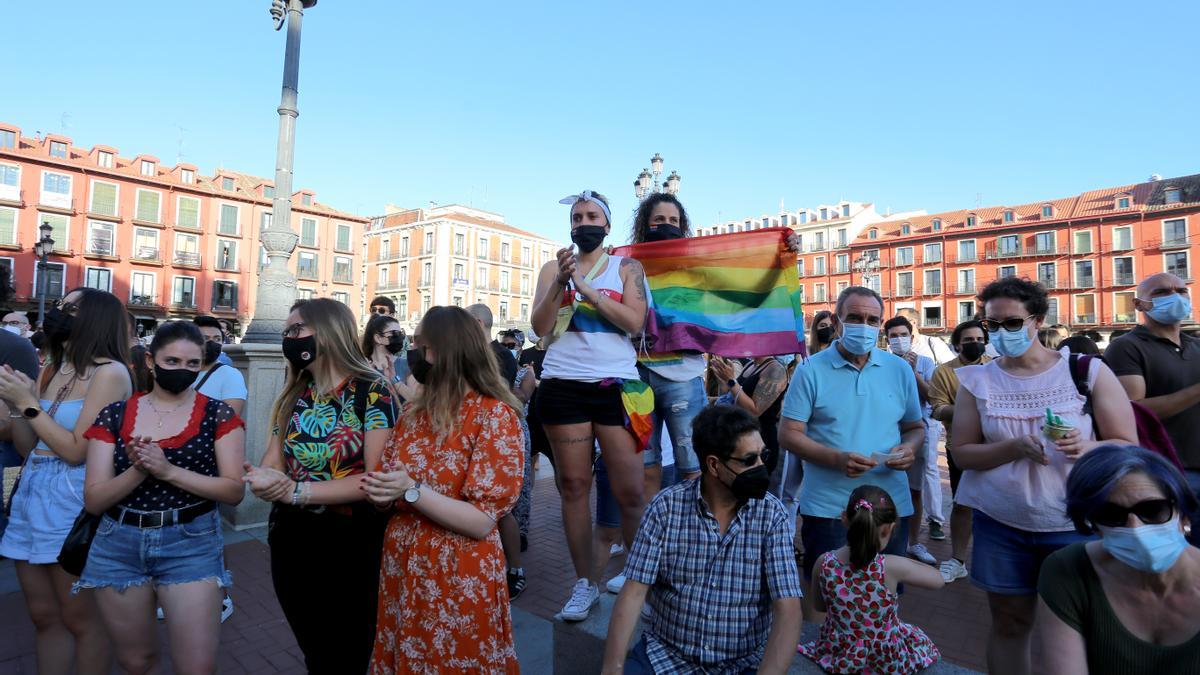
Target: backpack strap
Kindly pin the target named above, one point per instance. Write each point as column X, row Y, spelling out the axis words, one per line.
column 216, row 365
column 1080, row 365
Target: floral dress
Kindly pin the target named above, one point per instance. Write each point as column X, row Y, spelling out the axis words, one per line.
column 861, row 632
column 443, row 597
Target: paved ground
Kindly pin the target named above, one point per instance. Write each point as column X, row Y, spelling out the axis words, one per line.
column 257, row 640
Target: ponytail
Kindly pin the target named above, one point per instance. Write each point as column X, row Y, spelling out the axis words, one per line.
column 869, row 508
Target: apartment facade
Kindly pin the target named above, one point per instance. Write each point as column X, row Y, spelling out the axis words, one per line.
column 167, row 241
column 1090, row 251
column 453, row 255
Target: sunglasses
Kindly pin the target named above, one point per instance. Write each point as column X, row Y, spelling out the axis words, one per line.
column 380, row 310
column 749, row 460
column 1150, row 512
column 1011, row 325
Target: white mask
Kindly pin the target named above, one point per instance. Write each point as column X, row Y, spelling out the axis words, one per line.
column 900, row 345
column 15, row 330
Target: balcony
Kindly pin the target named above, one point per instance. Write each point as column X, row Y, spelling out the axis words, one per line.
column 902, row 292
column 964, row 288
column 1085, row 319
column 144, row 301
column 186, row 259
column 1003, row 252
column 1019, row 251
column 1048, row 283
column 966, row 258
column 390, row 255
column 146, row 254
column 906, row 261
column 1170, row 243
column 390, row 286
column 934, row 289
column 1125, row 318
column 1085, row 282
column 1124, row 280
column 425, row 282
column 931, row 322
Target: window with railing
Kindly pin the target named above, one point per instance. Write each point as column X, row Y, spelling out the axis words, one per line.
column 1122, row 238
column 933, row 282
column 1043, row 243
column 52, row 277
column 1123, row 271
column 225, row 295
column 1009, row 245
column 1177, row 264
column 227, row 255
column 1047, row 276
column 141, row 289
column 101, row 239
column 966, row 281
column 183, row 292
column 904, row 284
column 306, row 265
column 819, row 293
column 1083, row 274
column 187, row 250
column 145, row 244
column 904, row 255
column 933, row 253
column 966, row 250
column 1175, row 232
column 341, row 269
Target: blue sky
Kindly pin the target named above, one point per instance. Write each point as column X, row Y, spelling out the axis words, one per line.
column 510, row 106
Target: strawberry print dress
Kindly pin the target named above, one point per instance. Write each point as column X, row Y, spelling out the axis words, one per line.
column 861, row 632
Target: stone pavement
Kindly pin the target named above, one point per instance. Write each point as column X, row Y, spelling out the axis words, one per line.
column 256, row 639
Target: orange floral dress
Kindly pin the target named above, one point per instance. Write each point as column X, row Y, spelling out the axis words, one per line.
column 443, row 597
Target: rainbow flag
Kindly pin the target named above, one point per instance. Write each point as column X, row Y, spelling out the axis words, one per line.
column 736, row 295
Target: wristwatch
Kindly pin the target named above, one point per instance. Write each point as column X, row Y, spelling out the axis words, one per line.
column 412, row 494
column 31, row 412
column 731, row 383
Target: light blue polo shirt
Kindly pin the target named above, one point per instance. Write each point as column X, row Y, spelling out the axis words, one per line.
column 853, row 411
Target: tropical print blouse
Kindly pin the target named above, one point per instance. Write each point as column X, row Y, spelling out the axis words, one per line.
column 324, row 439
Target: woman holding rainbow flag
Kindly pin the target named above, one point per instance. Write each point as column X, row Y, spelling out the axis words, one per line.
column 587, row 305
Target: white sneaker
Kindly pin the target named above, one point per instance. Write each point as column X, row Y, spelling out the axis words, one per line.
column 226, row 608
column 616, row 583
column 952, row 569
column 921, row 553
column 584, row 596
column 616, row 550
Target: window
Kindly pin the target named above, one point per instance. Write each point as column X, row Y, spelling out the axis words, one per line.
column 841, row 237
column 187, row 213
column 871, row 281
column 227, row 258
column 504, row 281
column 264, row 221
column 187, row 249
column 402, row 277
column 1046, row 275
column 428, row 247
column 904, row 284
column 55, row 275
column 1123, row 202
column 224, row 295
column 1043, row 243
column 229, row 219
column 937, row 224
column 819, row 292
column 966, row 250
column 873, row 233
column 104, row 198
column 8, row 139
column 803, row 299
column 972, row 220
column 843, row 263
column 342, row 297
column 525, row 284
column 1083, row 274
column 800, row 266
column 1047, row 211
column 99, row 278
column 481, row 277
column 1009, row 245
column 383, row 277
column 1083, row 242
column 141, row 288
column 1171, row 195
column 819, row 264
column 56, row 183
column 819, row 243
column 906, row 229
column 933, row 253
column 306, row 199
column 904, row 255
column 803, row 217
column 402, row 306
column 1052, row 315
column 824, row 214
column 1007, row 271
column 1177, row 264
column 526, row 254
column 306, row 265
column 524, row 311
column 841, row 286
column 931, row 316
column 845, row 210
column 58, row 149
column 1123, row 271
column 226, row 183
column 148, row 168
column 1085, row 309
column 145, row 243
column 148, row 202
column 933, row 282
column 427, row 274
column 966, row 281
column 269, row 191
column 59, row 229
column 1123, row 309
column 482, row 250
column 1175, row 232
column 505, row 250
column 187, row 176
column 10, row 177
column 460, row 273
column 342, row 242
column 425, row 303
column 183, row 292
column 101, row 237
column 503, row 311
column 308, row 232
column 404, row 247
column 385, row 248
column 1010, row 216
column 304, row 294
column 800, row 240
column 104, row 159
column 966, row 310
column 8, row 227
column 341, row 268
column 1122, row 238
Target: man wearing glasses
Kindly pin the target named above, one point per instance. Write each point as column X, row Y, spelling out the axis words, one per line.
column 853, row 416
column 384, row 305
column 717, row 552
column 17, row 324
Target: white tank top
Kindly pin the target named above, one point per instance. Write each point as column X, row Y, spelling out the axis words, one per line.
column 593, row 348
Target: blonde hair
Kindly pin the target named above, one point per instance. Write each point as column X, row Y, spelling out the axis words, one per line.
column 464, row 362
column 333, row 328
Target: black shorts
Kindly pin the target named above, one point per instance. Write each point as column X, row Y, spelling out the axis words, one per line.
column 571, row 402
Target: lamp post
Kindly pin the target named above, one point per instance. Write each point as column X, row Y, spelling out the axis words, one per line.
column 647, row 182
column 867, row 266
column 276, row 289
column 42, row 249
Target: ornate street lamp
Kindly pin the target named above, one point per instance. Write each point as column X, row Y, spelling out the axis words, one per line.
column 647, row 182
column 42, row 249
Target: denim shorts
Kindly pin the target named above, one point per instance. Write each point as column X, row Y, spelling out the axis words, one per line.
column 1006, row 561
column 676, row 404
column 124, row 555
column 608, row 512
column 44, row 507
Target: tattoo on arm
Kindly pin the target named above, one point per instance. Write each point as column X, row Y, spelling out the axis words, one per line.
column 638, row 276
column 770, row 386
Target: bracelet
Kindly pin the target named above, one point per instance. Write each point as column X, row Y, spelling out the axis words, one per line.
column 296, row 492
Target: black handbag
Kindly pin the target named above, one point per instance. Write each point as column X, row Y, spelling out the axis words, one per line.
column 74, row 554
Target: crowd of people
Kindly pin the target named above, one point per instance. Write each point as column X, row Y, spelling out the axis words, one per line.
column 769, row 490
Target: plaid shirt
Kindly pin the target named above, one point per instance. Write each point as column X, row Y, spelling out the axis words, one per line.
column 711, row 593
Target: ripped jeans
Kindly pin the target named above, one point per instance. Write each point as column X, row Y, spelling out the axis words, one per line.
column 676, row 404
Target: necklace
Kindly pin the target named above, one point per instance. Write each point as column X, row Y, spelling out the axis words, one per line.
column 162, row 414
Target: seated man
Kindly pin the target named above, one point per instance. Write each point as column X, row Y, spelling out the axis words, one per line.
column 717, row 550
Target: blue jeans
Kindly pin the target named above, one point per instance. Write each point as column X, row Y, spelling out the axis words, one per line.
column 821, row 535
column 1193, row 481
column 676, row 404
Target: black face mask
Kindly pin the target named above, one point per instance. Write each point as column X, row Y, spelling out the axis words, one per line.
column 176, row 380
column 212, row 351
column 971, row 351
column 58, row 325
column 588, row 237
column 751, row 483
column 395, row 344
column 825, row 335
column 418, row 366
column 300, row 351
column 663, row 233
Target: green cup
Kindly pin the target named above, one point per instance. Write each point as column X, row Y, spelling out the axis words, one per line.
column 1056, row 431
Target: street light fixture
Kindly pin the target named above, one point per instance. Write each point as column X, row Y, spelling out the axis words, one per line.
column 867, row 266
column 647, row 182
column 42, row 249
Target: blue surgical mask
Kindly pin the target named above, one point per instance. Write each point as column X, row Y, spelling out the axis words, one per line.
column 1170, row 309
column 1149, row 548
column 859, row 338
column 1009, row 343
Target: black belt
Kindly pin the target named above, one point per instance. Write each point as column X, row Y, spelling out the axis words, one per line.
column 155, row 519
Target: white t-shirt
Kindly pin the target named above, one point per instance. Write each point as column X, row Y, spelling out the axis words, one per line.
column 224, row 383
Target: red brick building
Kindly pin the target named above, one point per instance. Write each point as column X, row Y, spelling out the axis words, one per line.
column 167, row 241
column 1090, row 251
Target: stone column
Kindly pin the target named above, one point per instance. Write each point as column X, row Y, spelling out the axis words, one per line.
column 265, row 371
